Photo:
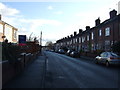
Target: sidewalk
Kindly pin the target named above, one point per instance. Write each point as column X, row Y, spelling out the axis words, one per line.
column 87, row 58
column 31, row 77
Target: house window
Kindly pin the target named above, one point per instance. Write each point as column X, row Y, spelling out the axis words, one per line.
column 107, row 45
column 76, row 40
column 92, row 36
column 107, row 42
column 100, row 32
column 67, row 43
column 71, row 42
column 79, row 40
column 100, row 45
column 83, row 39
column 79, row 48
column 87, row 37
column 15, row 34
column 1, row 28
column 107, row 31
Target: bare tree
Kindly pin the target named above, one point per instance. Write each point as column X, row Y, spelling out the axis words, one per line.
column 49, row 44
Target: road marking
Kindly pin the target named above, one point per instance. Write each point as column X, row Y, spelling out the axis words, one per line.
column 61, row 77
column 47, row 64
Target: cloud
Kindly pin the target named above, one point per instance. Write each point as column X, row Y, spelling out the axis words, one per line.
column 27, row 26
column 39, row 0
column 50, row 7
column 47, row 0
column 38, row 25
column 59, row 12
column 89, row 17
column 45, row 21
column 102, row 12
column 7, row 11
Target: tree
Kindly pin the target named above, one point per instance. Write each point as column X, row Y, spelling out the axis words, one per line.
column 116, row 47
column 49, row 44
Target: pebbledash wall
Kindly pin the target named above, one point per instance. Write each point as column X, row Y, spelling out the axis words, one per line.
column 100, row 37
column 8, row 32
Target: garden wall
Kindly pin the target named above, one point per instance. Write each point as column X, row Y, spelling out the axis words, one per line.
column 9, row 70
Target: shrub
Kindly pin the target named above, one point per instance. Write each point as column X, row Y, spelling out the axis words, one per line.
column 116, row 47
column 10, row 52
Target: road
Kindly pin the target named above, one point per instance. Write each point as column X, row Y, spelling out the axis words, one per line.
column 65, row 72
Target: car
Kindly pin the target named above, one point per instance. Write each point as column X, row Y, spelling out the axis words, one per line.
column 61, row 51
column 74, row 54
column 52, row 50
column 108, row 58
column 68, row 52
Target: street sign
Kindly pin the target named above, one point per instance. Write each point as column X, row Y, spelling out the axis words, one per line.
column 22, row 40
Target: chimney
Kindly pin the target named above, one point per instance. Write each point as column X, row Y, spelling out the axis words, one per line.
column 87, row 27
column 97, row 22
column 113, row 13
column 75, row 33
column 0, row 16
column 71, row 35
column 80, row 31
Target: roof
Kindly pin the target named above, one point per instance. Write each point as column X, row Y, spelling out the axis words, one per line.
column 2, row 22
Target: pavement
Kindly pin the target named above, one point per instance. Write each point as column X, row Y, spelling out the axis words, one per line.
column 87, row 58
column 31, row 77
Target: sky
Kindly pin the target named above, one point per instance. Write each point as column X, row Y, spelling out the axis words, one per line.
column 56, row 19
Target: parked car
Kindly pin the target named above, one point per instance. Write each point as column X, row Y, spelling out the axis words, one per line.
column 108, row 58
column 68, row 52
column 56, row 50
column 74, row 54
column 61, row 51
column 52, row 50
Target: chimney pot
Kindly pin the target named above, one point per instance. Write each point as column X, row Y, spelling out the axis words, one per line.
column 75, row 33
column 80, row 31
column 87, row 27
column 113, row 13
column 97, row 22
column 71, row 35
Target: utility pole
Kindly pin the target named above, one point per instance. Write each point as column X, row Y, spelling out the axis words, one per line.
column 41, row 38
column 40, row 43
column 119, row 7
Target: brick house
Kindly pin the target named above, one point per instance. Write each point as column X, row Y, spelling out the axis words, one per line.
column 100, row 37
column 107, row 33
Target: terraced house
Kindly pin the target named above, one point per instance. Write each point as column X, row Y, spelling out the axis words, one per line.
column 100, row 37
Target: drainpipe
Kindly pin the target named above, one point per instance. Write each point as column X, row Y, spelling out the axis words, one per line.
column 3, row 31
column 113, row 33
